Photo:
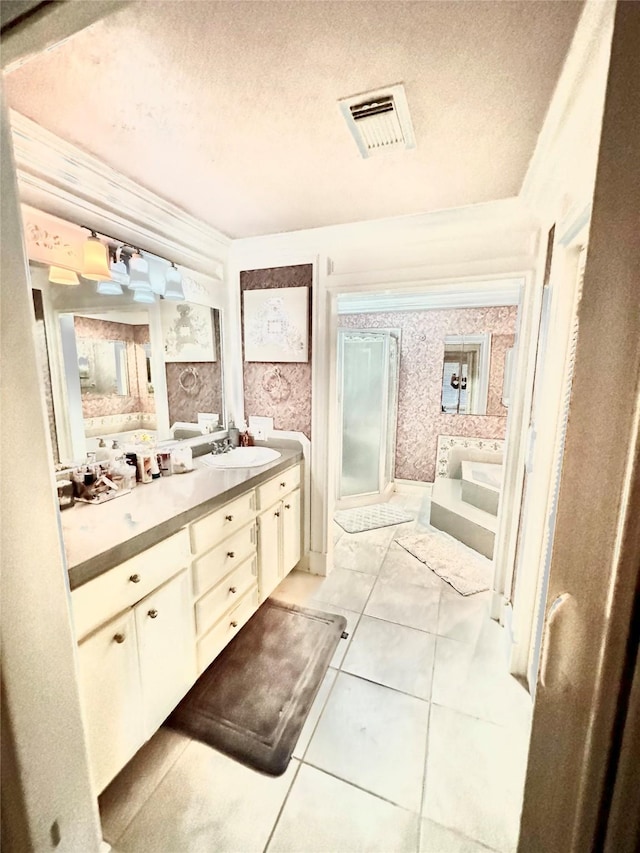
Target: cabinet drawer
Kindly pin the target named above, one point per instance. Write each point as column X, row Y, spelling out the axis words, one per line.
column 124, row 585
column 213, row 566
column 226, row 594
column 276, row 488
column 211, row 529
column 225, row 630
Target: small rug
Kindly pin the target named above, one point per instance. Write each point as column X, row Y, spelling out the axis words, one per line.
column 363, row 518
column 461, row 567
column 253, row 700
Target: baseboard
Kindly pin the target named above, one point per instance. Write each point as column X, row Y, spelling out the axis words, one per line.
column 316, row 564
column 405, row 487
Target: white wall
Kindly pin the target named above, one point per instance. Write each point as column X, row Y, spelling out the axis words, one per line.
column 50, row 793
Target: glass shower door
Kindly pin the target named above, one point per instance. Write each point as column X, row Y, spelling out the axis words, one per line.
column 366, row 363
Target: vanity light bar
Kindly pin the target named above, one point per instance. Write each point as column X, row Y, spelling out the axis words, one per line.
column 129, row 268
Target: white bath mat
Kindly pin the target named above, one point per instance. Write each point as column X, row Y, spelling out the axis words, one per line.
column 461, row 567
column 364, row 518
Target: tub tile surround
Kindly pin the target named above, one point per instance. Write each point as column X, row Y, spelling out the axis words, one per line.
column 397, row 754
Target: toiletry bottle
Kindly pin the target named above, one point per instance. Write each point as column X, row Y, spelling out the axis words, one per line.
column 234, row 435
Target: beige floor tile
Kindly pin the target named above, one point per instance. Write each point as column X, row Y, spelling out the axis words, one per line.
column 360, row 555
column 352, row 621
column 345, row 588
column 475, row 777
column 438, row 839
column 314, row 713
column 208, row 802
column 392, row 655
column 298, row 588
column 401, row 567
column 404, row 603
column 132, row 787
column 373, row 737
column 326, row 815
column 463, row 617
column 474, row 678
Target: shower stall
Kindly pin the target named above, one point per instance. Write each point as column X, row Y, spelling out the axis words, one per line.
column 368, row 366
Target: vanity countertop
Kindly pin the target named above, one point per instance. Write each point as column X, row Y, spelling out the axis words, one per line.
column 97, row 538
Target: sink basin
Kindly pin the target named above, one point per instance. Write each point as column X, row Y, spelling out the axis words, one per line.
column 241, row 457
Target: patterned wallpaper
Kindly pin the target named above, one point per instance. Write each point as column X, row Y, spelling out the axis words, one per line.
column 139, row 400
column 420, row 420
column 280, row 391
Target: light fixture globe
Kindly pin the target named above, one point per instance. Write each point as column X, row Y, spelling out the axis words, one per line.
column 58, row 275
column 148, row 297
column 109, row 288
column 96, row 260
column 173, row 287
column 139, row 273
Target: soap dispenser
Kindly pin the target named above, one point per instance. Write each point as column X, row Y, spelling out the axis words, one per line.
column 102, row 452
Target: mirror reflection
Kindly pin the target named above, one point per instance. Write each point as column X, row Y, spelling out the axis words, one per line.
column 113, row 368
column 465, row 374
column 474, row 374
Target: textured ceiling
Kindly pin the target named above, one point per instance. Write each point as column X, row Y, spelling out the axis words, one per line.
column 228, row 109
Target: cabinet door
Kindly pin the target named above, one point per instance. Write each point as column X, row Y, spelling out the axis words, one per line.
column 291, row 531
column 166, row 646
column 269, row 573
column 110, row 696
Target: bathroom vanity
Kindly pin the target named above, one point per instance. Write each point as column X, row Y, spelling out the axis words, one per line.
column 161, row 580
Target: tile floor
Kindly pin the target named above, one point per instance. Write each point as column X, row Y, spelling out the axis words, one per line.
column 417, row 740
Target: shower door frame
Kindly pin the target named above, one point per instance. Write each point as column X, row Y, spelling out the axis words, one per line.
column 388, row 437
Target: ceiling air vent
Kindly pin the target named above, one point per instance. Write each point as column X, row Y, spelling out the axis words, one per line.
column 379, row 121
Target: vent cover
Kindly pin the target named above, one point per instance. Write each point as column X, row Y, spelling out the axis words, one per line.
column 379, row 121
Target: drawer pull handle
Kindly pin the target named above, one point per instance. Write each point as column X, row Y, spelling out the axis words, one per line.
column 277, row 514
column 135, row 578
column 283, row 485
column 119, row 638
column 228, row 518
column 233, row 590
column 234, row 624
column 231, row 554
column 287, row 506
column 153, row 613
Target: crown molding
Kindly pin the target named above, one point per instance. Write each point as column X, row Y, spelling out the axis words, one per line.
column 60, row 179
column 481, row 294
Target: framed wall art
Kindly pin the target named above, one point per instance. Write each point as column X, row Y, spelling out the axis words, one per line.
column 187, row 331
column 276, row 324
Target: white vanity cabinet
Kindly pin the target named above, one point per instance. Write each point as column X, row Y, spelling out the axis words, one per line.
column 136, row 656
column 225, row 574
column 279, row 528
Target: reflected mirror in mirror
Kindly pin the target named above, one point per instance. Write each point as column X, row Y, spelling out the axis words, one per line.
column 473, row 374
column 465, row 374
column 112, row 370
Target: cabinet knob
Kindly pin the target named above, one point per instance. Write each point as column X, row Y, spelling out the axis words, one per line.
column 153, row 613
column 287, row 506
column 135, row 578
column 282, row 485
column 277, row 514
column 234, row 624
column 228, row 518
column 231, row 554
column 233, row 589
column 119, row 638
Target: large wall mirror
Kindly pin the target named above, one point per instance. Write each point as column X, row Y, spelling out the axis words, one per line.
column 475, row 374
column 113, row 368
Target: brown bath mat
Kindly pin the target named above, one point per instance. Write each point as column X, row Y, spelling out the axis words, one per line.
column 253, row 700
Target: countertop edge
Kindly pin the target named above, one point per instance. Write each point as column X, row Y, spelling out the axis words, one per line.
column 92, row 568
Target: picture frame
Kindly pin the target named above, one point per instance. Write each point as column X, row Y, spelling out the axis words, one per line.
column 276, row 324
